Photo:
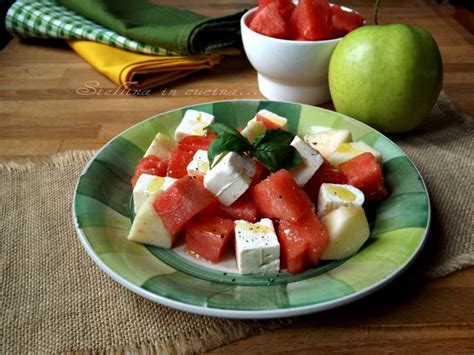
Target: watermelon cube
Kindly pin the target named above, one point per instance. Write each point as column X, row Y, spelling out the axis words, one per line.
column 365, row 173
column 343, row 21
column 260, row 172
column 210, row 237
column 183, row 153
column 210, row 210
column 268, row 21
column 266, row 122
column 151, row 165
column 311, row 21
column 325, row 174
column 244, row 208
column 278, row 196
column 301, row 243
column 183, row 200
column 285, row 7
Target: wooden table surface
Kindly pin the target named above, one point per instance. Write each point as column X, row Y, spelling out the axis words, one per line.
column 42, row 113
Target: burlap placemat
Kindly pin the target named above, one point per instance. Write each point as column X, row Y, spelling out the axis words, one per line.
column 443, row 151
column 54, row 299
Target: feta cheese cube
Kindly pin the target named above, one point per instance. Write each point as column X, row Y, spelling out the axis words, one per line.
column 347, row 151
column 256, row 247
column 199, row 166
column 147, row 185
column 312, row 160
column 161, row 146
column 253, row 130
column 333, row 196
column 326, row 142
column 193, row 124
column 230, row 177
column 273, row 117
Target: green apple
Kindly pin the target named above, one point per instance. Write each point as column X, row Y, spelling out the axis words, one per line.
column 388, row 76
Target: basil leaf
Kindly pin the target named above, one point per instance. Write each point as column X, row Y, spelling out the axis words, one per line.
column 295, row 159
column 274, row 136
column 226, row 142
column 221, row 128
column 272, row 147
column 275, row 156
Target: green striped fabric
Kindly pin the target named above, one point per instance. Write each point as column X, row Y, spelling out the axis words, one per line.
column 48, row 19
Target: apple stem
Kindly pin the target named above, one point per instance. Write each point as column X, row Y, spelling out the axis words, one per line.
column 376, row 10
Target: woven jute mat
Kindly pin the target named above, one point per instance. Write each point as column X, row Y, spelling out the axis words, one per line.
column 54, row 299
column 442, row 149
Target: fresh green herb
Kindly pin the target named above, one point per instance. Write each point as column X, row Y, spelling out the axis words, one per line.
column 272, row 147
column 274, row 136
column 276, row 156
column 221, row 128
column 227, row 142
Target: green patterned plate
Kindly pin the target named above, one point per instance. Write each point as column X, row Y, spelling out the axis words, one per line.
column 102, row 215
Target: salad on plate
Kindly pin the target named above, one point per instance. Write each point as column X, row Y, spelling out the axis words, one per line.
column 270, row 199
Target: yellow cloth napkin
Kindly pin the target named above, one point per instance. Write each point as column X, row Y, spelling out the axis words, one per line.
column 143, row 71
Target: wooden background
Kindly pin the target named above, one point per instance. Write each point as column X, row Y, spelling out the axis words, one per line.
column 42, row 113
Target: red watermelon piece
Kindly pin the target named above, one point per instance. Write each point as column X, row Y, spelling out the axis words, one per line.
column 151, row 165
column 301, row 243
column 181, row 202
column 365, row 173
column 268, row 21
column 260, row 172
column 196, row 142
column 183, row 153
column 210, row 210
column 278, row 196
column 285, row 7
column 266, row 122
column 244, row 208
column 344, row 22
column 180, row 158
column 210, row 237
column 311, row 21
column 325, row 174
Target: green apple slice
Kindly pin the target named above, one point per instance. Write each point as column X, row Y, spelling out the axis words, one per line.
column 253, row 130
column 347, row 151
column 348, row 230
column 327, row 142
column 147, row 227
column 161, row 146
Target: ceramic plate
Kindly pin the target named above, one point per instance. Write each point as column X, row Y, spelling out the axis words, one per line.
column 102, row 215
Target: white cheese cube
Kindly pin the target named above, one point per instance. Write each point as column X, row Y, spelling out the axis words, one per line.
column 333, row 196
column 273, row 117
column 161, row 146
column 199, row 166
column 253, row 130
column 326, row 142
column 347, row 151
column 147, row 227
column 312, row 160
column 256, row 247
column 193, row 124
column 230, row 177
column 147, row 185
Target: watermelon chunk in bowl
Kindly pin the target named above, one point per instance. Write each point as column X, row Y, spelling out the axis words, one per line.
column 288, row 68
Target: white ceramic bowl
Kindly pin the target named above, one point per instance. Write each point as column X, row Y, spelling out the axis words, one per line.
column 289, row 70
